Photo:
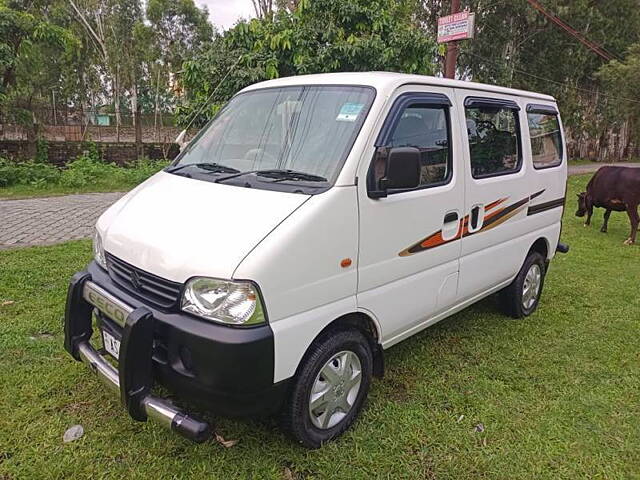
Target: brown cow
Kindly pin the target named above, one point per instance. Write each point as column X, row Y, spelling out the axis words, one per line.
column 613, row 188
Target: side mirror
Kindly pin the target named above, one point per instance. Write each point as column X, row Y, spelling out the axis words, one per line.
column 180, row 139
column 403, row 169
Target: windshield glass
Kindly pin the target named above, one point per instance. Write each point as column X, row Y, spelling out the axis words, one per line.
column 300, row 134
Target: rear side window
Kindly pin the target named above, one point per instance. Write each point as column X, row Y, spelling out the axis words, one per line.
column 546, row 139
column 494, row 138
column 426, row 127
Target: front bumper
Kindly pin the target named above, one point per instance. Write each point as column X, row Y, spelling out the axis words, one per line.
column 227, row 369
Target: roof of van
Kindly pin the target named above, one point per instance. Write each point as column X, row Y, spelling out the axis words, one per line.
column 387, row 82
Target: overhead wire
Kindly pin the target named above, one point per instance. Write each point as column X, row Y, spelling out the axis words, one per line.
column 593, row 46
column 206, row 102
column 564, row 84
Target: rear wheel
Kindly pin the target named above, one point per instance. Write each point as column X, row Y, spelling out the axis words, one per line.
column 330, row 387
column 520, row 299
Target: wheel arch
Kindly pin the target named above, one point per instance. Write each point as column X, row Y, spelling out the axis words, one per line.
column 367, row 326
column 541, row 245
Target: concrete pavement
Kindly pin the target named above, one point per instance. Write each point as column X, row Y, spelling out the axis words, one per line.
column 44, row 221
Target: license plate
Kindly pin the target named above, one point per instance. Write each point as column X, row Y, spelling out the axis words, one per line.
column 111, row 344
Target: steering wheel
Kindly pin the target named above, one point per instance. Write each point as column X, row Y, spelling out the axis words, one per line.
column 485, row 125
column 254, row 153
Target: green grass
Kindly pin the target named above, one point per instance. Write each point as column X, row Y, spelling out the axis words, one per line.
column 584, row 161
column 579, row 161
column 15, row 192
column 82, row 175
column 558, row 393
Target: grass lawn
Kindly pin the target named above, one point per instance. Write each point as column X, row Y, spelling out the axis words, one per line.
column 585, row 161
column 580, row 161
column 558, row 393
column 29, row 191
column 85, row 174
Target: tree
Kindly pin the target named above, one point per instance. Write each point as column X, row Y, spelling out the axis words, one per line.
column 141, row 50
column 620, row 79
column 263, row 8
column 34, row 51
column 181, row 30
column 94, row 16
column 316, row 36
column 516, row 46
column 26, row 38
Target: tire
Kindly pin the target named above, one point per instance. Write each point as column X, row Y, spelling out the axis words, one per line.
column 513, row 300
column 348, row 348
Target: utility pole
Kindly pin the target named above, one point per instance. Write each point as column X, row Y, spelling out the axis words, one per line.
column 452, row 48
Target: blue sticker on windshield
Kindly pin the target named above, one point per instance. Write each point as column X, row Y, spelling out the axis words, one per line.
column 349, row 112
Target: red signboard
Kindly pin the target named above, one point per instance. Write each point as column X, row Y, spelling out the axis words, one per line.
column 458, row 26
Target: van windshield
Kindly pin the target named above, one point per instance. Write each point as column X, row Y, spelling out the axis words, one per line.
column 289, row 138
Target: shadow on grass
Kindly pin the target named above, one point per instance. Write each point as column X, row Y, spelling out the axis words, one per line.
column 401, row 371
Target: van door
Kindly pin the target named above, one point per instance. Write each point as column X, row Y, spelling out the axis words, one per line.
column 408, row 256
column 497, row 191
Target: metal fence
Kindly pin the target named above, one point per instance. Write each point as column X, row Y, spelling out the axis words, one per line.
column 68, row 117
column 97, row 126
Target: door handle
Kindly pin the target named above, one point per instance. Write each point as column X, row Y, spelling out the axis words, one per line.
column 451, row 225
column 451, row 217
column 476, row 218
column 475, row 215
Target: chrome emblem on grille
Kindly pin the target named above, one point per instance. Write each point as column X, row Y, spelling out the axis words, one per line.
column 135, row 279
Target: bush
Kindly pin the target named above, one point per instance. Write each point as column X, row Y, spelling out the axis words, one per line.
column 42, row 151
column 90, row 150
column 85, row 172
column 141, row 169
column 27, row 173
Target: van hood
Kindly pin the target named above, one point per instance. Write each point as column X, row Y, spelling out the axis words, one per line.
column 177, row 228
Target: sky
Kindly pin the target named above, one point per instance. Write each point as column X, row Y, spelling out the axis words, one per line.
column 224, row 13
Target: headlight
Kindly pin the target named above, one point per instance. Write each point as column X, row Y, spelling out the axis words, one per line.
column 235, row 303
column 98, row 250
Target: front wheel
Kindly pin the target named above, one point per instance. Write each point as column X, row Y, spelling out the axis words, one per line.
column 520, row 299
column 330, row 387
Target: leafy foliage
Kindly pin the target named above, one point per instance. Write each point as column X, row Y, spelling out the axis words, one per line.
column 516, row 46
column 622, row 78
column 85, row 171
column 159, row 55
column 35, row 49
column 180, row 29
column 92, row 53
column 28, row 173
column 316, row 36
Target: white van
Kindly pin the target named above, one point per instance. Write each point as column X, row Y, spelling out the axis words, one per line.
column 315, row 222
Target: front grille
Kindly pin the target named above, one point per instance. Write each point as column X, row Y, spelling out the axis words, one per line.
column 156, row 290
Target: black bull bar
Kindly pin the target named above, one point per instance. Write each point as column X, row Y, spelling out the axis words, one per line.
column 133, row 378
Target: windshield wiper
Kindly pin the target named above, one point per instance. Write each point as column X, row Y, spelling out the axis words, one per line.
column 279, row 175
column 210, row 167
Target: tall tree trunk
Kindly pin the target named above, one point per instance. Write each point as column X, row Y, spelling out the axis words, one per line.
column 155, row 113
column 32, row 135
column 137, row 122
column 134, row 104
column 509, row 52
column 116, row 106
column 625, row 140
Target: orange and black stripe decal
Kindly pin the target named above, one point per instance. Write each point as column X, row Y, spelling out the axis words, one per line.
column 543, row 207
column 492, row 219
